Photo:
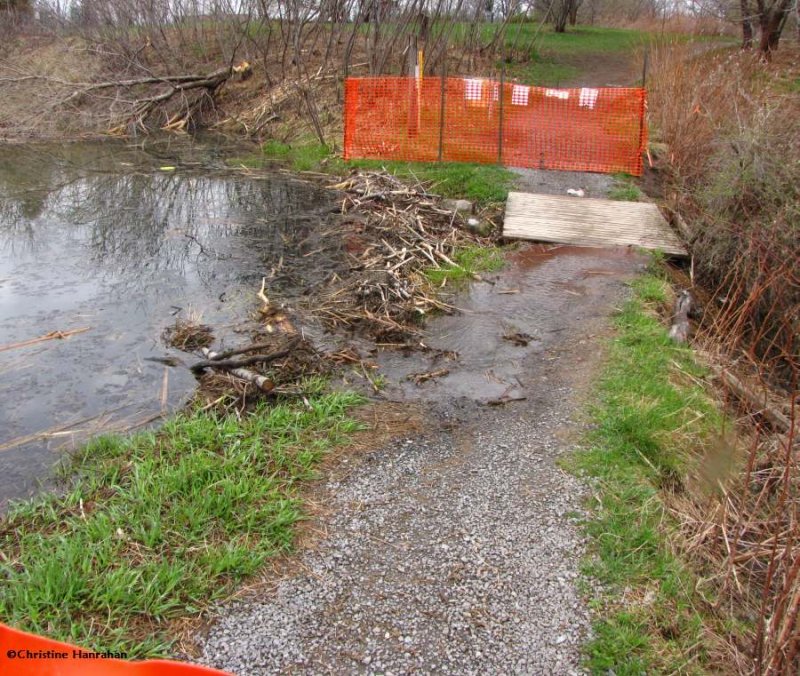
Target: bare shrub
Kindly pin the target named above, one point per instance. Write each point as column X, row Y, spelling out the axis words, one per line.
column 734, row 146
column 733, row 137
column 288, row 43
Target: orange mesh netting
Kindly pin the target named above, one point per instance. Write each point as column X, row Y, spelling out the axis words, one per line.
column 459, row 120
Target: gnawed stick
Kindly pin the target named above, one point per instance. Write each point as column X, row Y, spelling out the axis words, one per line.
column 679, row 332
column 53, row 335
column 757, row 401
column 165, row 389
column 261, row 382
column 252, row 348
column 215, row 361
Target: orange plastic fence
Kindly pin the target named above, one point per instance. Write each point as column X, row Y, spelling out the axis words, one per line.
column 478, row 120
column 23, row 654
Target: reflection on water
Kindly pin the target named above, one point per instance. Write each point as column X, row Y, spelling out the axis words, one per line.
column 99, row 236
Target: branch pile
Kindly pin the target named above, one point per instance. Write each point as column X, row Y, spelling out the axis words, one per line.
column 291, row 100
column 124, row 105
column 392, row 233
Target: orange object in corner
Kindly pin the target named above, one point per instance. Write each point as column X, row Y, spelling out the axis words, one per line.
column 23, row 654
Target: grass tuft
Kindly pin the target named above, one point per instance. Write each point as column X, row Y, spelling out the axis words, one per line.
column 649, row 426
column 469, row 261
column 154, row 527
column 625, row 189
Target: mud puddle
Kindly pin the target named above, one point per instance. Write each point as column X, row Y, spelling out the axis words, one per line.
column 510, row 324
column 123, row 243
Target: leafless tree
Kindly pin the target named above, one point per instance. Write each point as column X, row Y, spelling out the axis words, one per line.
column 772, row 16
column 747, row 24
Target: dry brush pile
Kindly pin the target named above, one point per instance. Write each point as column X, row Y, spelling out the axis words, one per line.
column 393, row 233
column 392, row 236
column 732, row 134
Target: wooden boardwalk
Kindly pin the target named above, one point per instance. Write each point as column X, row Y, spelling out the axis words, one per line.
column 588, row 222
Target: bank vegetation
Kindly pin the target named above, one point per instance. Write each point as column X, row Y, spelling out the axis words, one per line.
column 727, row 595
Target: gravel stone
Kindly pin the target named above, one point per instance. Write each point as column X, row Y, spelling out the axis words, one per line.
column 464, row 565
column 453, row 552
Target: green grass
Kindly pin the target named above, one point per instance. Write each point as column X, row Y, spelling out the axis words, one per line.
column 625, row 189
column 154, row 527
column 477, row 182
column 469, row 261
column 300, row 156
column 548, row 57
column 545, row 71
column 584, row 40
column 554, row 58
column 653, row 419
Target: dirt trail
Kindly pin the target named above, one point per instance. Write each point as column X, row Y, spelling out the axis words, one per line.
column 603, row 69
column 455, row 551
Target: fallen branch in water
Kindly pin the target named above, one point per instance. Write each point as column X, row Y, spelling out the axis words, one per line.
column 261, row 382
column 420, row 378
column 53, row 335
column 216, row 361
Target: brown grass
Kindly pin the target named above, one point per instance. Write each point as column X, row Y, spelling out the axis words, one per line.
column 733, row 136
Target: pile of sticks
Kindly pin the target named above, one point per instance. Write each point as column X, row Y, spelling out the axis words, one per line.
column 394, row 233
column 236, row 364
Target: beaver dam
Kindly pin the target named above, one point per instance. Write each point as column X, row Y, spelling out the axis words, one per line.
column 126, row 276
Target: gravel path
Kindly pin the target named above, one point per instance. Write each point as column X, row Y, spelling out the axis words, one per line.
column 454, row 552
column 448, row 554
column 556, row 182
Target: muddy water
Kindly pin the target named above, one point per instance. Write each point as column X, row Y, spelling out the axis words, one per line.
column 509, row 325
column 102, row 237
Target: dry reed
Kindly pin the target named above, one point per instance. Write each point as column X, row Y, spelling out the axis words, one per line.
column 733, row 144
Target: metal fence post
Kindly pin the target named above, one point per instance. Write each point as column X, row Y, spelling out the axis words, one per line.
column 441, row 113
column 500, row 130
column 643, row 111
column 644, row 67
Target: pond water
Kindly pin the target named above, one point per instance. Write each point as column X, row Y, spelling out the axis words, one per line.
column 124, row 241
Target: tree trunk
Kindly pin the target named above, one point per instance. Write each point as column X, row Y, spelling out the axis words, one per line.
column 573, row 12
column 561, row 15
column 747, row 25
column 772, row 21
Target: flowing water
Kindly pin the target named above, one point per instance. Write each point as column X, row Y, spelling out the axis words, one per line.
column 124, row 242
column 509, row 326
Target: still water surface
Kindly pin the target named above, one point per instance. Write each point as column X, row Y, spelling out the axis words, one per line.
column 101, row 236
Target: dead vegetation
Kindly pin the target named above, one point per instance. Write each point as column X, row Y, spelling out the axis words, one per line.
column 733, row 144
column 394, row 236
column 188, row 335
column 393, row 233
column 289, row 370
